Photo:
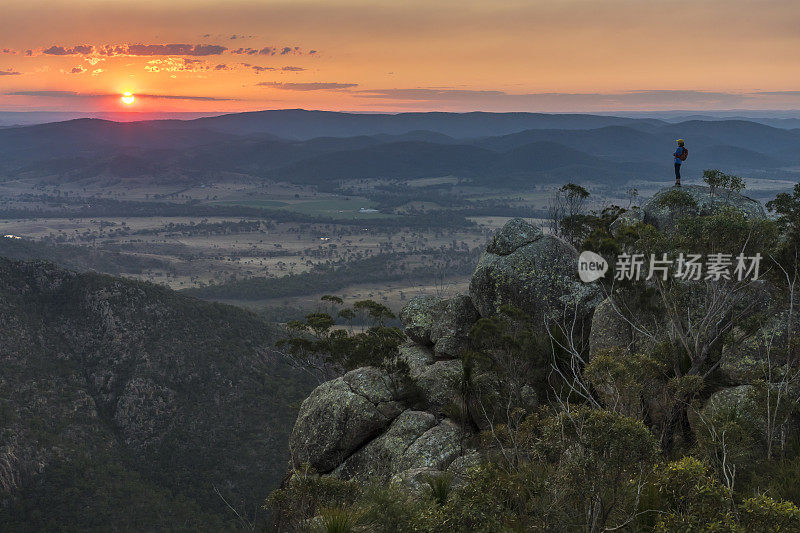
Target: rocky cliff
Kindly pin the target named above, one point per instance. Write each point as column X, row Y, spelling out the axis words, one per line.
column 359, row 427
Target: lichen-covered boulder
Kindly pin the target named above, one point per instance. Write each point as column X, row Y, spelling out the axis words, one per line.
column 454, row 318
column 662, row 213
column 761, row 355
column 539, row 277
column 436, row 448
column 438, row 383
column 461, row 466
column 417, row 357
column 378, row 459
column 414, row 440
column 733, row 405
column 609, row 329
column 340, row 416
column 418, row 317
column 513, row 235
column 631, row 217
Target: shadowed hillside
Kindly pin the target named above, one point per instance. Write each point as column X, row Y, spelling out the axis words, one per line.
column 141, row 400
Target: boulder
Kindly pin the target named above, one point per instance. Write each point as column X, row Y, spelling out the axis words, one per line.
column 414, row 441
column 730, row 405
column 451, row 325
column 378, row 459
column 443, row 324
column 416, row 356
column 658, row 211
column 438, row 384
column 609, row 329
column 340, row 416
column 758, row 356
column 436, row 448
column 417, row 317
column 631, row 217
column 538, row 277
column 461, row 466
column 513, row 235
column 437, row 380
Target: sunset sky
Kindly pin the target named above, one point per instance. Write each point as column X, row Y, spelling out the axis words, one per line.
column 410, row 55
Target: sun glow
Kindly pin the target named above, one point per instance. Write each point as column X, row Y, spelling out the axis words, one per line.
column 127, row 98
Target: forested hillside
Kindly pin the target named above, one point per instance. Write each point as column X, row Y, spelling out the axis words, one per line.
column 125, row 405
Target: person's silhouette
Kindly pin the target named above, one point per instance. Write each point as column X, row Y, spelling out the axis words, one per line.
column 680, row 156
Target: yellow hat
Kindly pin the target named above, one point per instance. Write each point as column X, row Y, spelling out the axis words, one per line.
column 679, row 140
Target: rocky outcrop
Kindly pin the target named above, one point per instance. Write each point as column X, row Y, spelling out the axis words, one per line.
column 441, row 323
column 515, row 234
column 340, row 416
column 414, row 441
column 438, row 384
column 537, row 274
column 667, row 205
column 379, row 458
column 357, row 427
column 417, row 317
column 450, row 329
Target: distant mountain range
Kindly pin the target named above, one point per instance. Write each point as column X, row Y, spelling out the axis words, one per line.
column 322, row 148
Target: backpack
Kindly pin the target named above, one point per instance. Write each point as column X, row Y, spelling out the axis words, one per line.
column 684, row 154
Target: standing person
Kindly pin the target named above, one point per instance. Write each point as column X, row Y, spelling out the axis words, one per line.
column 680, row 155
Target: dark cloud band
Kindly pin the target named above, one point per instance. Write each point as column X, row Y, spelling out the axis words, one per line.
column 316, row 86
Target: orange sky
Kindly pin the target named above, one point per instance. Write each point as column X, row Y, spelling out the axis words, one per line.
column 498, row 55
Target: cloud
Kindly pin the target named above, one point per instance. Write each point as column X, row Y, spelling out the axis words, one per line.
column 174, row 49
column 8, row 51
column 78, row 70
column 57, row 50
column 272, row 50
column 266, row 51
column 245, row 51
column 257, row 68
column 97, row 52
column 316, row 86
column 9, row 72
column 176, row 64
column 73, row 94
column 293, row 69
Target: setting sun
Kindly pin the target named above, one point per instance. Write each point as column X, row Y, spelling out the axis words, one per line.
column 127, row 98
